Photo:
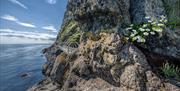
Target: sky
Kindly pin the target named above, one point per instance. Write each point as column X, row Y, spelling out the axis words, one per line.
column 30, row 21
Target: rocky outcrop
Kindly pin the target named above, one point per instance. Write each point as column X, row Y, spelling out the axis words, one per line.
column 168, row 44
column 107, row 64
column 104, row 60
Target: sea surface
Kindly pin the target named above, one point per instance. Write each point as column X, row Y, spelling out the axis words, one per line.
column 20, row 66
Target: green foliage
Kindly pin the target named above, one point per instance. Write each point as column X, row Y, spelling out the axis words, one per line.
column 172, row 8
column 139, row 32
column 69, row 29
column 174, row 22
column 75, row 37
column 170, row 70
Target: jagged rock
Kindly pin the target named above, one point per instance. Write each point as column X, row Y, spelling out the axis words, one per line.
column 130, row 71
column 105, row 61
column 45, row 85
column 154, row 82
column 168, row 44
column 171, row 87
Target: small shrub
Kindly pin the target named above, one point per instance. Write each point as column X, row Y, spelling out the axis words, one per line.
column 170, row 70
column 74, row 37
column 172, row 10
column 174, row 22
column 139, row 32
column 68, row 29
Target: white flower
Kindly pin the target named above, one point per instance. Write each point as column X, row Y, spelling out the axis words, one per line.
column 143, row 40
column 146, row 33
column 160, row 24
column 147, row 17
column 129, row 28
column 157, row 29
column 132, row 35
column 127, row 38
column 153, row 33
column 139, row 38
column 134, row 31
column 132, row 25
column 161, row 20
column 144, row 25
column 141, row 29
column 134, row 38
column 153, row 23
column 163, row 17
column 148, row 30
column 165, row 21
column 150, row 21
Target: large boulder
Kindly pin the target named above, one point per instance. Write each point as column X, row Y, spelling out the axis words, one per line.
column 104, row 59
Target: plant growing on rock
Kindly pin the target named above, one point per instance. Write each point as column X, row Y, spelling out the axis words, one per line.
column 74, row 37
column 170, row 70
column 139, row 32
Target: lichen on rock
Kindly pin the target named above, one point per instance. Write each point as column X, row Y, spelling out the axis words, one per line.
column 104, row 60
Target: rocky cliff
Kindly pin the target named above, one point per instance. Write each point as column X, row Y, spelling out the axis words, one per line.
column 92, row 53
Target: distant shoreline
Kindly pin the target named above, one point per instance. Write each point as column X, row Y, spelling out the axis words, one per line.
column 29, row 44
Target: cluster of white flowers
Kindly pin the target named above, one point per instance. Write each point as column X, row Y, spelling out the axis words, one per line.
column 138, row 33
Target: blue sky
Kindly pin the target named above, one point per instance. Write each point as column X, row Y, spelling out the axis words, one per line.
column 30, row 21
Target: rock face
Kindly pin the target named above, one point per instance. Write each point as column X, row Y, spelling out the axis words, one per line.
column 103, row 60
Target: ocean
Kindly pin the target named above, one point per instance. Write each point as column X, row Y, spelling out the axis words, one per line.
column 20, row 66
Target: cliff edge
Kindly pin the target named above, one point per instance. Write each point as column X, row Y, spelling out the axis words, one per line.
column 93, row 51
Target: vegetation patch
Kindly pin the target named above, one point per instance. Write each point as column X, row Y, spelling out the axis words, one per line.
column 70, row 31
column 75, row 37
column 170, row 71
column 172, row 8
column 139, row 32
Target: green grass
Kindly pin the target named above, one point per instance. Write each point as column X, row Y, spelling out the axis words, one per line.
column 174, row 22
column 74, row 37
column 172, row 8
column 169, row 70
column 69, row 31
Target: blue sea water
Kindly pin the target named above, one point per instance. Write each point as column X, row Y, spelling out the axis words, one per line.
column 18, row 59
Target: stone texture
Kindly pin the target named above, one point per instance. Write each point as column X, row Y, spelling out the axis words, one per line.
column 104, row 60
column 168, row 44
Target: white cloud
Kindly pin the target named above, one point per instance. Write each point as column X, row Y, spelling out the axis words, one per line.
column 19, row 40
column 50, row 28
column 9, row 18
column 51, row 1
column 26, row 24
column 6, row 30
column 18, row 3
column 30, row 35
column 14, row 19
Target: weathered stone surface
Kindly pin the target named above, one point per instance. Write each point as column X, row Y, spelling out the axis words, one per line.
column 154, row 82
column 129, row 70
column 168, row 44
column 105, row 61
